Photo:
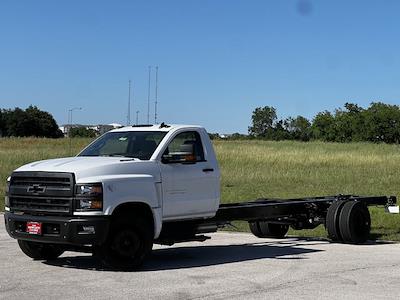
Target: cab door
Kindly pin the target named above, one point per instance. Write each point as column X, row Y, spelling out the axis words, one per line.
column 188, row 186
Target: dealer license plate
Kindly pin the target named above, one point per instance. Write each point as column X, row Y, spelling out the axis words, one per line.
column 34, row 228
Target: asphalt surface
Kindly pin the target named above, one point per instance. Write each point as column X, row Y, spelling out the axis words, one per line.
column 229, row 266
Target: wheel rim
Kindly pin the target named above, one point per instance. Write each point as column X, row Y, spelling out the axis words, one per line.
column 126, row 244
column 361, row 223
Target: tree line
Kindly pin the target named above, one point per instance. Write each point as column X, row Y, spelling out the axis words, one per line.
column 29, row 122
column 379, row 122
column 82, row 132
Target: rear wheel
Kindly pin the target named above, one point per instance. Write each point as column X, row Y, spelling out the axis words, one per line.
column 355, row 222
column 128, row 244
column 263, row 229
column 41, row 250
column 332, row 220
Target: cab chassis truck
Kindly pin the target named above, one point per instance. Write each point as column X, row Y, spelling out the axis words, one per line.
column 139, row 185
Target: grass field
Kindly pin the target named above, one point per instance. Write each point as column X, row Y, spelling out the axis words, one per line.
column 256, row 169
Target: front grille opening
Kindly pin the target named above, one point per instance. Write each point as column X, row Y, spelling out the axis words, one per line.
column 40, row 204
column 42, row 192
column 48, row 181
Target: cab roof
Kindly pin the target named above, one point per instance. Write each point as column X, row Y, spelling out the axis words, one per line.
column 155, row 127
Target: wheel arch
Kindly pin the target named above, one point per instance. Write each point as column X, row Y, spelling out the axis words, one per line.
column 142, row 209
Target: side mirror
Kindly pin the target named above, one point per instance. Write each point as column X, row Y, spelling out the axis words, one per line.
column 185, row 155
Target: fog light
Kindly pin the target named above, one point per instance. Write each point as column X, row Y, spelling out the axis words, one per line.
column 87, row 230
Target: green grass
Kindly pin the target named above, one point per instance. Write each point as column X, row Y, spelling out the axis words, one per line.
column 257, row 169
column 15, row 152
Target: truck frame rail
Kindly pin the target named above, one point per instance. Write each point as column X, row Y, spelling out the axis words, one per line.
column 285, row 208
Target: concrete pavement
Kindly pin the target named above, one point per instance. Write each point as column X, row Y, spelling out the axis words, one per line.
column 229, row 266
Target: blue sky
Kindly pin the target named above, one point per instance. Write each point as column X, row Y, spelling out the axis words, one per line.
column 218, row 60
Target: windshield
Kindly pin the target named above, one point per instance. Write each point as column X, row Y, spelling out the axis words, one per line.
column 135, row 144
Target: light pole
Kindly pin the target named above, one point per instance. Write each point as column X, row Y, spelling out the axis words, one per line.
column 148, row 97
column 70, row 115
column 70, row 126
column 156, row 102
column 137, row 117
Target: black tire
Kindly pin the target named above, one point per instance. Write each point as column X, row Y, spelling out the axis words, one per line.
column 255, row 229
column 41, row 251
column 127, row 246
column 332, row 221
column 263, row 229
column 355, row 222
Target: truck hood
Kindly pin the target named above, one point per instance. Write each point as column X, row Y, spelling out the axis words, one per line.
column 86, row 167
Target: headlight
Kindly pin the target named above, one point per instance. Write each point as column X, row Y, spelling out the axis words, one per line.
column 7, row 199
column 89, row 196
column 89, row 189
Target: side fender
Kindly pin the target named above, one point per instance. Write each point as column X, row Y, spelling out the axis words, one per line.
column 130, row 189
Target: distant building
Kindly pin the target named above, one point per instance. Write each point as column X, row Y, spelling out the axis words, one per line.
column 100, row 128
column 116, row 125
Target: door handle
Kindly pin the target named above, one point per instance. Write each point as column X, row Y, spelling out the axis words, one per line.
column 208, row 170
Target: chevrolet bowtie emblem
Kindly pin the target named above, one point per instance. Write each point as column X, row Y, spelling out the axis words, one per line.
column 36, row 189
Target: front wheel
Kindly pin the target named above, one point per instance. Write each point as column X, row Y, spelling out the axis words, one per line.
column 41, row 251
column 127, row 246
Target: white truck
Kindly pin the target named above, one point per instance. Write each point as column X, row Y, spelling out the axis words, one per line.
column 140, row 185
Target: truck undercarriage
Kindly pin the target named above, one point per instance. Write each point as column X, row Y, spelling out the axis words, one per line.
column 346, row 218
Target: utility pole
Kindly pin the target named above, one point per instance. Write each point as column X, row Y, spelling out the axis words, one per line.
column 148, row 97
column 128, row 116
column 156, row 102
column 137, row 117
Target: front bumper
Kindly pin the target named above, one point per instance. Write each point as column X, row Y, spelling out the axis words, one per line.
column 60, row 230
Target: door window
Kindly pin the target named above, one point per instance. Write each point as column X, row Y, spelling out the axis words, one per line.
column 180, row 142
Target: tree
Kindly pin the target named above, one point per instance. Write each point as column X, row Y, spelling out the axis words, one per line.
column 349, row 123
column 29, row 122
column 43, row 124
column 16, row 123
column 238, row 136
column 299, row 128
column 214, row 136
column 279, row 132
column 263, row 119
column 382, row 123
column 82, row 132
column 1, row 124
column 343, row 127
column 323, row 127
